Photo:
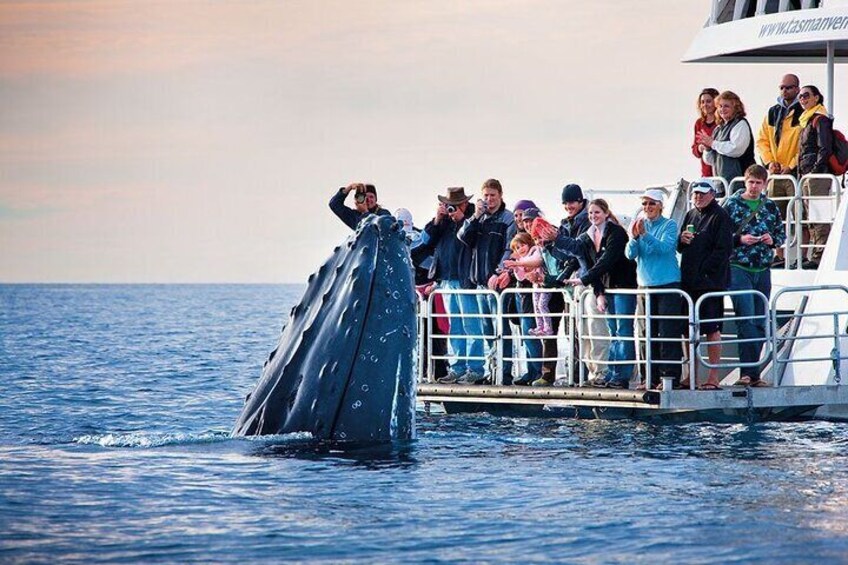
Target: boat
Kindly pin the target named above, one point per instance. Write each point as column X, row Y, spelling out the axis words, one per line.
column 805, row 349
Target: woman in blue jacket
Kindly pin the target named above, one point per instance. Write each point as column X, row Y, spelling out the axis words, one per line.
column 653, row 245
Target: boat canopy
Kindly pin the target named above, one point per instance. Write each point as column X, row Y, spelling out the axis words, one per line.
column 774, row 31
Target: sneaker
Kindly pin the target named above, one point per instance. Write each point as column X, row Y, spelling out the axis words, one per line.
column 562, row 382
column 525, row 380
column 618, row 384
column 471, row 378
column 810, row 265
column 541, row 382
column 450, row 378
column 596, row 382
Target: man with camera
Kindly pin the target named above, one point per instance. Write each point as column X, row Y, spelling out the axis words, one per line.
column 365, row 200
column 451, row 269
column 488, row 234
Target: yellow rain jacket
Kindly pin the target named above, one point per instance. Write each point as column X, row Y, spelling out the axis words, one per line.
column 785, row 152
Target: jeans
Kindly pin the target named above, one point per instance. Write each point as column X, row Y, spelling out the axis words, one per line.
column 748, row 305
column 621, row 349
column 532, row 347
column 462, row 348
column 488, row 304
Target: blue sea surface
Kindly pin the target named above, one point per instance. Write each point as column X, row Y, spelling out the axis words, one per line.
column 116, row 404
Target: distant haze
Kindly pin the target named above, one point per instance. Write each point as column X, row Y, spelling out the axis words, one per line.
column 201, row 141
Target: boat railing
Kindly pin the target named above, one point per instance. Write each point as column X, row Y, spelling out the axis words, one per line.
column 817, row 209
column 507, row 302
column 463, row 309
column 831, row 325
column 575, row 335
column 645, row 332
column 803, row 209
column 763, row 320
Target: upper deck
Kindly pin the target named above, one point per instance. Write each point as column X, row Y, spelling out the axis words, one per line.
column 772, row 30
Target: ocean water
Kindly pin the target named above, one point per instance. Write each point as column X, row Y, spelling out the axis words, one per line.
column 115, row 408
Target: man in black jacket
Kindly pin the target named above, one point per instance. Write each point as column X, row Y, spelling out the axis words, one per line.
column 488, row 234
column 451, row 268
column 365, row 200
column 705, row 244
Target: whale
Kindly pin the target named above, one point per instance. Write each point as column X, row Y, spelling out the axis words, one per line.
column 344, row 367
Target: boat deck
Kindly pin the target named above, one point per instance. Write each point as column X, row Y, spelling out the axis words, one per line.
column 730, row 404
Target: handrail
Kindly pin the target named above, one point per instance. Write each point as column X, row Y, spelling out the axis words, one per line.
column 836, row 356
column 576, row 311
column 493, row 316
column 644, row 339
column 765, row 340
column 792, row 202
column 517, row 340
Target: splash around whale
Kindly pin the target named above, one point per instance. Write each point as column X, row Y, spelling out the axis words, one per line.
column 344, row 368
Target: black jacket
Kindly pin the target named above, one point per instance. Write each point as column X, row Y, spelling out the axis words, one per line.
column 705, row 263
column 488, row 237
column 571, row 227
column 451, row 258
column 607, row 267
column 816, row 145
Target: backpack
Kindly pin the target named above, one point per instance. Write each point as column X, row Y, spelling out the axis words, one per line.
column 838, row 162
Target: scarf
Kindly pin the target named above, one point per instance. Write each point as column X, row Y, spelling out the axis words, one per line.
column 808, row 114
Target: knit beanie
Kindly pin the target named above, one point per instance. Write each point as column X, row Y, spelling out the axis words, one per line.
column 572, row 193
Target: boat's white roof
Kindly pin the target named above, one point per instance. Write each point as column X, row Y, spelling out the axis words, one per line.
column 743, row 31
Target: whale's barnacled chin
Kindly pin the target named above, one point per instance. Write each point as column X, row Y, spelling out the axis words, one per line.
column 344, row 368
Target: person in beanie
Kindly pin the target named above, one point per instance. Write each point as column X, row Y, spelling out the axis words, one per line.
column 365, row 200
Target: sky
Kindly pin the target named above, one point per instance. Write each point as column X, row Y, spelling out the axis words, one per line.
column 200, row 141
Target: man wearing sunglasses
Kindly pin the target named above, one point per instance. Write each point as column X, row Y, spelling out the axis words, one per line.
column 779, row 141
column 705, row 243
column 365, row 200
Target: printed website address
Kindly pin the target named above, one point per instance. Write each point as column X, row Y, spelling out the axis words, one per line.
column 803, row 25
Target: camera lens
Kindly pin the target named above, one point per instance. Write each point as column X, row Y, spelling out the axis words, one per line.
column 360, row 197
column 451, row 208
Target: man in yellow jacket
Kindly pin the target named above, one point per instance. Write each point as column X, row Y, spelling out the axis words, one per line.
column 779, row 141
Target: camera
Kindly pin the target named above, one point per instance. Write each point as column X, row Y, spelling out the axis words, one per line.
column 359, row 197
column 450, row 208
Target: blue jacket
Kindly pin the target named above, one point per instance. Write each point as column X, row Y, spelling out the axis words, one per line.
column 655, row 253
column 488, row 237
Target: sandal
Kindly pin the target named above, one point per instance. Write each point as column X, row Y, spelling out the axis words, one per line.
column 759, row 383
column 709, row 386
column 744, row 380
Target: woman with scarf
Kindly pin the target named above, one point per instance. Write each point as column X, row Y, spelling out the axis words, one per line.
column 730, row 148
column 815, row 150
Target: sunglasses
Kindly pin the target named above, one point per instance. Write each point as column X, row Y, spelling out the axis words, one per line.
column 649, row 203
column 785, row 87
column 804, row 95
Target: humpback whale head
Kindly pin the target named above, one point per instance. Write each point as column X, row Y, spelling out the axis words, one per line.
column 344, row 368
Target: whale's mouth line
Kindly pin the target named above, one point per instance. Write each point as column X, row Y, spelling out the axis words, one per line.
column 370, row 296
